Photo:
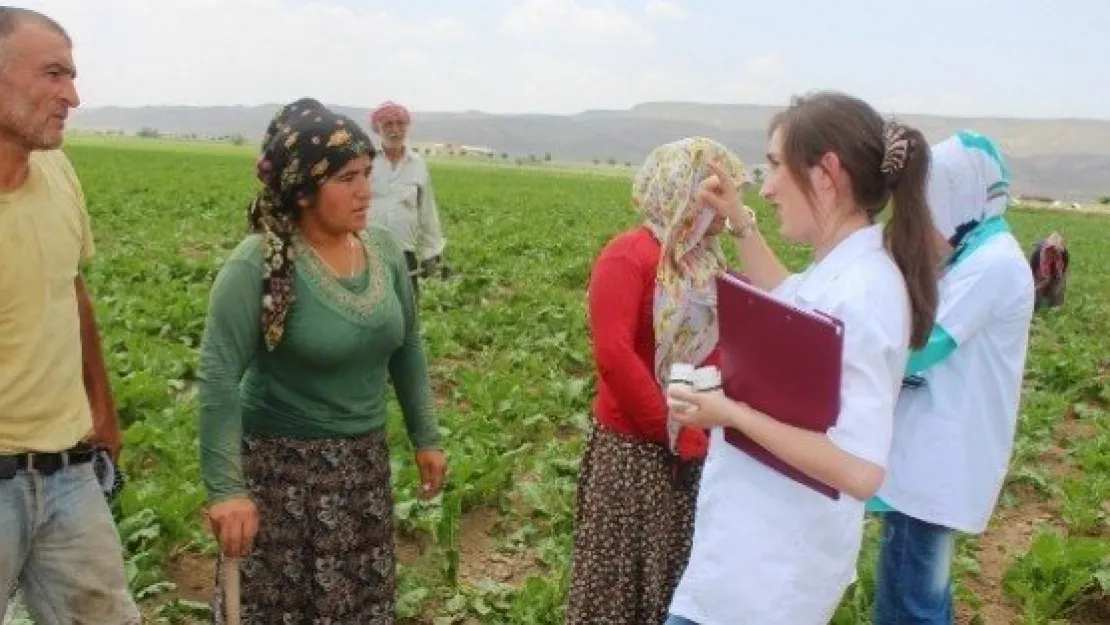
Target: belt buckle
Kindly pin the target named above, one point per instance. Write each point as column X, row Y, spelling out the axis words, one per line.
column 9, row 466
column 49, row 463
column 59, row 461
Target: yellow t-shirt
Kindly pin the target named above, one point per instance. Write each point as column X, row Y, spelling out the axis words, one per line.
column 44, row 236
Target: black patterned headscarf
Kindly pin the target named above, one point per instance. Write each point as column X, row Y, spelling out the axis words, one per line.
column 304, row 145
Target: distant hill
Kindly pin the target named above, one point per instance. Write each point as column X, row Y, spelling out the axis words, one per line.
column 1067, row 159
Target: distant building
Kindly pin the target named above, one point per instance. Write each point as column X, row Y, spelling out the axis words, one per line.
column 450, row 149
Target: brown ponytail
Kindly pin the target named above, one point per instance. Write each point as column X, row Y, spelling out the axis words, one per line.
column 885, row 162
column 909, row 234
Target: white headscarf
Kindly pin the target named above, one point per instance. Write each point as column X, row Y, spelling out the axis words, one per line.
column 968, row 182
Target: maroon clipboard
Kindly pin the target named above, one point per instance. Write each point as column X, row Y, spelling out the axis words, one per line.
column 782, row 361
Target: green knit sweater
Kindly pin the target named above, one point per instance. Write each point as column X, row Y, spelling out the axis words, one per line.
column 328, row 375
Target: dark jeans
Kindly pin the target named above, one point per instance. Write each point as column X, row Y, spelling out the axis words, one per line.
column 1052, row 294
column 914, row 584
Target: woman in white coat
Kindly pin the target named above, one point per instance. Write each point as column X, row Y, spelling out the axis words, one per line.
column 956, row 417
column 768, row 550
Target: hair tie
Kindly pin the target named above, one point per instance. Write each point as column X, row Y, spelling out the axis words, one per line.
column 896, row 151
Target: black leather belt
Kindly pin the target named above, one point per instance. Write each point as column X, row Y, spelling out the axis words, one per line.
column 44, row 463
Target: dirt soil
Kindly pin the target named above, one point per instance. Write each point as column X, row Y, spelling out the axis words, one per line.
column 479, row 560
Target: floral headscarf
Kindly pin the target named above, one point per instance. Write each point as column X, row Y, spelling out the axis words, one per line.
column 304, row 145
column 685, row 311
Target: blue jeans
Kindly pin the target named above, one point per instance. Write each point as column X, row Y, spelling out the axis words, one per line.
column 678, row 620
column 914, row 584
column 59, row 546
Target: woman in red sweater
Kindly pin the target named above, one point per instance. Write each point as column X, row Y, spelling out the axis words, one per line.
column 652, row 302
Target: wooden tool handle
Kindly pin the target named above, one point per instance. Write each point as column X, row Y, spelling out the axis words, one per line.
column 231, row 590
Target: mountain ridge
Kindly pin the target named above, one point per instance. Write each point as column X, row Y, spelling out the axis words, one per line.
column 1066, row 158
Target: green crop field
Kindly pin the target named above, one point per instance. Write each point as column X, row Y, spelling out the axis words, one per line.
column 513, row 378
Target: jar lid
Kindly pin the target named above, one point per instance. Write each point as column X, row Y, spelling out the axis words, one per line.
column 707, row 378
column 682, row 372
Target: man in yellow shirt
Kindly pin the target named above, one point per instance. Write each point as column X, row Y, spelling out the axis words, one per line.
column 58, row 543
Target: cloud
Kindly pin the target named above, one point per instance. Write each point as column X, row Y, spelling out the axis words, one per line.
column 198, row 52
column 665, row 9
column 551, row 56
column 766, row 66
column 448, row 27
column 556, row 56
column 569, row 21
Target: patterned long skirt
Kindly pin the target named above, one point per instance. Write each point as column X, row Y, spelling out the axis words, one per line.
column 1052, row 294
column 324, row 553
column 633, row 529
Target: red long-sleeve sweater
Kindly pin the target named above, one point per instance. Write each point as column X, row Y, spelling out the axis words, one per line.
column 621, row 298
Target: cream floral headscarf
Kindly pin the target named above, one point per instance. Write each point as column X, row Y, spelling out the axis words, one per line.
column 685, row 311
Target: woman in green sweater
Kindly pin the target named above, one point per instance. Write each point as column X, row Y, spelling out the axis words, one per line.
column 307, row 319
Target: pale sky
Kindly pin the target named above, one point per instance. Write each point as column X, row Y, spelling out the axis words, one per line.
column 1018, row 58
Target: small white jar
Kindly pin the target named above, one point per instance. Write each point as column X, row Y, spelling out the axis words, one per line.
column 708, row 380
column 683, row 376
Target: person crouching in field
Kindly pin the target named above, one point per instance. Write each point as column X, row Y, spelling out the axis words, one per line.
column 652, row 302
column 307, row 319
column 1049, row 262
column 956, row 416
